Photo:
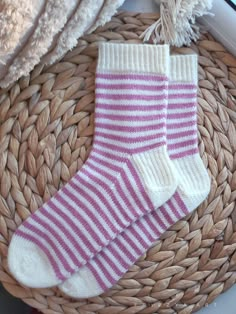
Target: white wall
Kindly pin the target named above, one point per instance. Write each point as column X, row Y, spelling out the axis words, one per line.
column 223, row 24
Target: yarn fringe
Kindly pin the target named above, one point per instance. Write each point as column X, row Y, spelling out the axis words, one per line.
column 176, row 25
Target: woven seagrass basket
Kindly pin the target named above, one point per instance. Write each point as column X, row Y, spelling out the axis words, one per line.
column 46, row 133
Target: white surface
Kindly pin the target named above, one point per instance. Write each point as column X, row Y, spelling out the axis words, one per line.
column 225, row 303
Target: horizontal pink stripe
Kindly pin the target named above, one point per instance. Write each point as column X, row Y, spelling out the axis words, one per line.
column 182, row 86
column 182, row 106
column 122, row 128
column 145, row 228
column 36, row 241
column 72, row 224
column 145, row 245
column 182, row 144
column 131, row 97
column 130, row 140
column 108, row 208
column 116, row 254
column 165, row 210
column 137, row 249
column 112, row 147
column 109, row 155
column 102, row 213
column 112, row 248
column 156, row 216
column 160, row 221
column 107, row 164
column 167, row 215
column 173, row 209
column 124, row 86
column 129, row 118
column 116, row 272
column 132, row 194
column 148, row 147
column 133, row 150
column 88, row 211
column 180, row 115
column 128, row 108
column 150, row 224
column 109, row 191
column 181, row 134
column 179, row 125
column 141, row 188
column 132, row 243
column 50, row 241
column 120, row 191
column 181, row 204
column 54, row 233
column 109, row 76
column 129, row 187
column 183, row 154
column 182, row 95
column 104, row 272
column 98, row 171
column 98, row 275
column 127, row 182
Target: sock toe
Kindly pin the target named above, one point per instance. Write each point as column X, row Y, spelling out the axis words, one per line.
column 29, row 265
column 82, row 284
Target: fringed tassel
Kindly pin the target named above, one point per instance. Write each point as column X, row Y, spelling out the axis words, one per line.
column 176, row 25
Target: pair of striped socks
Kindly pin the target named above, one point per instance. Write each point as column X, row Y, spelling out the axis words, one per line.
column 144, row 173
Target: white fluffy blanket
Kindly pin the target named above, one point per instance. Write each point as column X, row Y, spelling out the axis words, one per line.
column 33, row 31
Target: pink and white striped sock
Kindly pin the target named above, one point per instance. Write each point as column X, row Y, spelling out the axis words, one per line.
column 107, row 267
column 127, row 174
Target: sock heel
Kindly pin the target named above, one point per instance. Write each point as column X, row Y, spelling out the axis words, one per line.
column 158, row 174
column 195, row 183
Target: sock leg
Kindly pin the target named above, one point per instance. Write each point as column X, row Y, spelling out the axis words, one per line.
column 107, row 267
column 127, row 174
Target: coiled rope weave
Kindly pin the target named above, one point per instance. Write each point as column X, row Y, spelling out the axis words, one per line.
column 46, row 132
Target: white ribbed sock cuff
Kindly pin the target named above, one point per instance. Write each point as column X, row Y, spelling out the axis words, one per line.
column 184, row 68
column 134, row 58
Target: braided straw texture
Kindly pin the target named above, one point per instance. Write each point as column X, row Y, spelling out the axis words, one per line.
column 46, row 133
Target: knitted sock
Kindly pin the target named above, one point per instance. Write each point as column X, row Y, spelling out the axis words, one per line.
column 127, row 174
column 107, row 267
